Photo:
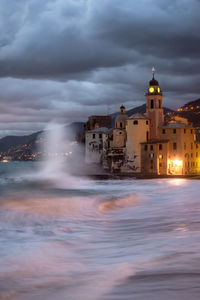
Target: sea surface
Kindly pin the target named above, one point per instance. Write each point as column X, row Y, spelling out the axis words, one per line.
column 64, row 237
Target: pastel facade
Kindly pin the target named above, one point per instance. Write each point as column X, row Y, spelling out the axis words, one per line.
column 147, row 143
column 137, row 130
column 95, row 144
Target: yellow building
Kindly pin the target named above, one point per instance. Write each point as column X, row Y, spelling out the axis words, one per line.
column 146, row 143
column 172, row 148
column 137, row 131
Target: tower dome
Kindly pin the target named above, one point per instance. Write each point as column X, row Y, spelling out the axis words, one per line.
column 153, row 82
column 120, row 120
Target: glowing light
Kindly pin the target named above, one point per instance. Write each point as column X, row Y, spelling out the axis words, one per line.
column 158, row 90
column 177, row 162
column 4, row 160
column 151, row 89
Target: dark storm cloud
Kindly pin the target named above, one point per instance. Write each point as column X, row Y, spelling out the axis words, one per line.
column 67, row 59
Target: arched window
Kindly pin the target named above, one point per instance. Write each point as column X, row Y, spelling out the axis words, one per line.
column 152, row 103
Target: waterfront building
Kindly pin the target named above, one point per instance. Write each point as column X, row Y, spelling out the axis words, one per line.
column 137, row 131
column 98, row 121
column 95, row 144
column 146, row 143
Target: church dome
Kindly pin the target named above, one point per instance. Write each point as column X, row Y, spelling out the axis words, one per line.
column 121, row 117
column 153, row 81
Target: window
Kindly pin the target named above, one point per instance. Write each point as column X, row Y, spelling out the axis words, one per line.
column 93, row 136
column 191, row 154
column 160, row 164
column 174, row 146
column 184, row 130
column 196, row 154
column 196, row 146
column 191, row 146
column 151, row 147
column 159, row 101
column 145, row 147
column 163, row 131
column 191, row 131
column 174, row 130
column 160, row 146
column 184, row 146
column 120, row 124
column 147, row 135
column 135, row 122
column 120, row 132
column 152, row 103
column 100, row 135
column 147, row 122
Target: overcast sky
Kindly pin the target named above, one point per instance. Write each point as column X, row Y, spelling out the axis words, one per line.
column 67, row 59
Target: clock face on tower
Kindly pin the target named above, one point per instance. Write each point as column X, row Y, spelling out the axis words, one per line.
column 158, row 90
column 151, row 89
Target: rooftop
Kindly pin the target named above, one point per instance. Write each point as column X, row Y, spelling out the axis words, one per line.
column 101, row 130
column 138, row 116
column 176, row 125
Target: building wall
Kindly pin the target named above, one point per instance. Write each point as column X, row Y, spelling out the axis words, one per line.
column 183, row 150
column 155, row 114
column 137, row 132
column 154, row 158
column 98, row 121
column 119, row 138
column 93, row 147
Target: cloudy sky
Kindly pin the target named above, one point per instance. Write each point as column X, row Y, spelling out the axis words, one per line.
column 67, row 59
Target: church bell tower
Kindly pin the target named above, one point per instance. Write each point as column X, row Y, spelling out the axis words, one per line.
column 154, row 110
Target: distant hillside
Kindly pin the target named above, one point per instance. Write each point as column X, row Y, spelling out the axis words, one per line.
column 23, row 147
column 11, row 142
column 191, row 111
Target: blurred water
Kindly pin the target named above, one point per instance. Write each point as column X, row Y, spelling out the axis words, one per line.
column 106, row 239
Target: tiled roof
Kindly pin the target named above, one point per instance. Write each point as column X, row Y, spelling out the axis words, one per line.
column 176, row 125
column 101, row 130
column 138, row 116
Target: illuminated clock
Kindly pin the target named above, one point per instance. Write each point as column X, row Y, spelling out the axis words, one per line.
column 158, row 90
column 151, row 89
